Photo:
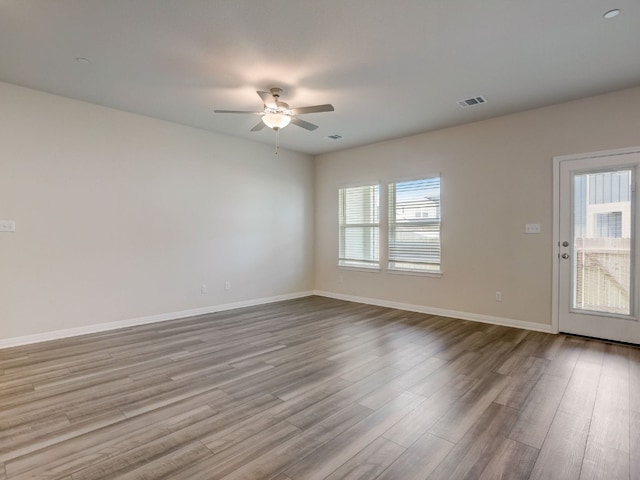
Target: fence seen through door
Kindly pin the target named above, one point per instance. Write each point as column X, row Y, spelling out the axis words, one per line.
column 602, row 242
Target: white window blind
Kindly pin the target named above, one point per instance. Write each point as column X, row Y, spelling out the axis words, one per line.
column 414, row 225
column 359, row 226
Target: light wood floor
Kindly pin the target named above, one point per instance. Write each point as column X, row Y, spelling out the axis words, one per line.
column 318, row 388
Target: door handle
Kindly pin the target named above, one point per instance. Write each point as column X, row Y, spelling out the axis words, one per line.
column 565, row 255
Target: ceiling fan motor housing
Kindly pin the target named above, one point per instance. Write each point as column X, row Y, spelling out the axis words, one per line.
column 275, row 91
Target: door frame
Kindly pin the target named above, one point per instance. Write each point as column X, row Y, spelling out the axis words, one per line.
column 555, row 281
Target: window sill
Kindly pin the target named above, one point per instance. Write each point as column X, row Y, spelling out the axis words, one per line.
column 415, row 274
column 359, row 269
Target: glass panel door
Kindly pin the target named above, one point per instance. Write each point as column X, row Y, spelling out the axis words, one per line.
column 597, row 271
column 602, row 256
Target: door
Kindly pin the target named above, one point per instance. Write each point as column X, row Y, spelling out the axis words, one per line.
column 596, row 246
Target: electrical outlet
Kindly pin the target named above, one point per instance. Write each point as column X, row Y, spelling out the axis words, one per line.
column 532, row 228
column 204, row 288
column 498, row 296
column 7, row 226
column 227, row 285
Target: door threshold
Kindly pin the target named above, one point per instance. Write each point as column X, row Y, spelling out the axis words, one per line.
column 603, row 340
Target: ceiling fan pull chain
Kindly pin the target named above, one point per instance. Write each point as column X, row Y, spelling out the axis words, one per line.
column 277, row 140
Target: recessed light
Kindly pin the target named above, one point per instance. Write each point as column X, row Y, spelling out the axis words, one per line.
column 82, row 60
column 612, row 13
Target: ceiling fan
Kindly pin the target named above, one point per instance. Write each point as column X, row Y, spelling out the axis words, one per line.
column 277, row 114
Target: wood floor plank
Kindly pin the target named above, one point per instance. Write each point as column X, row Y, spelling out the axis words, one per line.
column 331, row 456
column 607, row 453
column 523, row 379
column 39, row 439
column 298, row 447
column 469, row 408
column 580, row 394
column 512, row 363
column 563, row 363
column 549, row 346
column 538, row 411
column 401, row 383
column 484, row 440
column 59, row 404
column 284, row 410
column 137, row 432
column 90, row 451
column 419, row 460
column 513, row 461
column 489, row 360
column 441, row 377
column 227, row 460
column 610, row 419
column 593, row 352
column 369, row 462
column 363, row 369
column 563, row 451
column 317, row 388
column 166, row 465
column 352, row 393
column 603, row 461
column 616, row 361
column 25, row 432
column 419, row 421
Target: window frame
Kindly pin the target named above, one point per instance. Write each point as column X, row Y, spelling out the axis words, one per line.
column 391, row 225
column 353, row 263
column 384, row 228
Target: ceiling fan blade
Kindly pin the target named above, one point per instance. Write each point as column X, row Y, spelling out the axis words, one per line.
column 303, row 124
column 235, row 111
column 267, row 99
column 258, row 127
column 327, row 107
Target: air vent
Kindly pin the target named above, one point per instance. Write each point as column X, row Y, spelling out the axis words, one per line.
column 470, row 102
column 335, row 137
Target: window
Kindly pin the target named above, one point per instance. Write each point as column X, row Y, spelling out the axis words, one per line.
column 414, row 225
column 410, row 226
column 609, row 225
column 359, row 226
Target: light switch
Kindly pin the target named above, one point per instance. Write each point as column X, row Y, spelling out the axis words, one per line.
column 532, row 228
column 7, row 226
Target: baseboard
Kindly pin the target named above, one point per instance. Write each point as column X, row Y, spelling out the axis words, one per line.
column 103, row 327
column 163, row 317
column 505, row 322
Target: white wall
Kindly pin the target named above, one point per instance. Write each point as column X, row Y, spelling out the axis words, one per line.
column 496, row 177
column 120, row 216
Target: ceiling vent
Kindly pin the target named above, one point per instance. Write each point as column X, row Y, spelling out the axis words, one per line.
column 335, row 137
column 470, row 102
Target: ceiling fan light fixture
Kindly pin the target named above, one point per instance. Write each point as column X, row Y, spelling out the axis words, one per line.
column 276, row 120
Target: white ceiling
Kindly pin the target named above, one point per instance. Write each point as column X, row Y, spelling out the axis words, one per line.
column 390, row 68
